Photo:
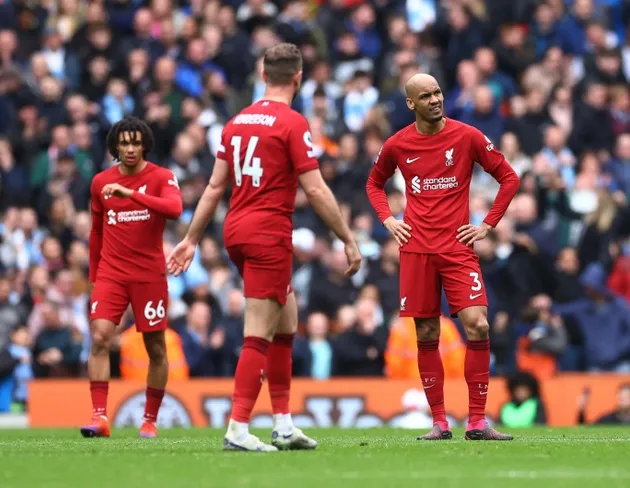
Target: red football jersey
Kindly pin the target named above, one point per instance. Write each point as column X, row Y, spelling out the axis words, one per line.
column 267, row 146
column 437, row 170
column 131, row 229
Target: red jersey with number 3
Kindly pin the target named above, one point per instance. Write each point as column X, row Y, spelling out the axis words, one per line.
column 267, row 146
column 437, row 170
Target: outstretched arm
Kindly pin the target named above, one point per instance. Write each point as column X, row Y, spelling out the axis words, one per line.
column 209, row 201
column 325, row 204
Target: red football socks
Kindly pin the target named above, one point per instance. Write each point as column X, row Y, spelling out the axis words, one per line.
column 279, row 367
column 432, row 373
column 154, row 400
column 98, row 392
column 477, row 373
column 249, row 377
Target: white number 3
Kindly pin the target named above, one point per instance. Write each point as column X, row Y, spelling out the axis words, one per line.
column 151, row 313
column 476, row 283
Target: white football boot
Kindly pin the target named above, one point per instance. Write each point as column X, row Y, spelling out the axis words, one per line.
column 250, row 443
column 296, row 440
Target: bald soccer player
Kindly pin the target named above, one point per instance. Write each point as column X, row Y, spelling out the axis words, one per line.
column 436, row 156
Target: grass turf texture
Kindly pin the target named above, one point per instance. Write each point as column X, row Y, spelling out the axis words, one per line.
column 345, row 458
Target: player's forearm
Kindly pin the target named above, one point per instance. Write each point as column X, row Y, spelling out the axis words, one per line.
column 170, row 207
column 378, row 199
column 508, row 186
column 204, row 212
column 325, row 205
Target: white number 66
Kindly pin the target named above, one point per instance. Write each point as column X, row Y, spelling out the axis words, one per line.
column 151, row 313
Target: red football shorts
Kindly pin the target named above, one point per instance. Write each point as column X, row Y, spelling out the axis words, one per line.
column 422, row 277
column 149, row 302
column 265, row 269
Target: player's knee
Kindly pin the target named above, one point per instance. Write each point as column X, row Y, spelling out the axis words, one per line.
column 479, row 328
column 427, row 329
column 101, row 340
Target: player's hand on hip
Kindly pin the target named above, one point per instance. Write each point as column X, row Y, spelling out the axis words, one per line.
column 398, row 229
column 468, row 234
column 117, row 190
column 354, row 258
column 180, row 258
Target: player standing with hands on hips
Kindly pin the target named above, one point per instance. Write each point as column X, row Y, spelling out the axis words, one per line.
column 264, row 151
column 131, row 203
column 436, row 156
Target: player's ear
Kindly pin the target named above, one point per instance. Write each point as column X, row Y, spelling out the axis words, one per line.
column 410, row 104
column 263, row 75
column 298, row 78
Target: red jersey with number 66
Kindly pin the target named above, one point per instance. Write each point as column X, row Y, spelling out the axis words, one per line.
column 267, row 146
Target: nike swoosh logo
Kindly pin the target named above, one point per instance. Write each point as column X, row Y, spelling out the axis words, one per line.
column 154, row 322
column 472, row 297
column 428, row 387
column 483, row 392
column 412, row 160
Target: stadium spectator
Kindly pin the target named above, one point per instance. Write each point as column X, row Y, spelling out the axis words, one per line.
column 360, row 350
column 525, row 408
column 619, row 416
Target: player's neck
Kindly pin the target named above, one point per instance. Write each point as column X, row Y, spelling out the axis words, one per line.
column 428, row 129
column 279, row 94
column 132, row 170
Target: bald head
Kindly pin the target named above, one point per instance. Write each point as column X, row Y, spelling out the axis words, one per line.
column 425, row 98
column 419, row 82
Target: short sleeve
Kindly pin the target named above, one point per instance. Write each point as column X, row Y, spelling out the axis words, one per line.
column 484, row 151
column 300, row 144
column 223, row 144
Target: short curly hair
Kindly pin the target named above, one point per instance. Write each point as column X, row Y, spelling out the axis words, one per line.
column 132, row 125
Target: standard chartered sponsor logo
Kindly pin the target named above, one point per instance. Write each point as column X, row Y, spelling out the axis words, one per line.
column 131, row 216
column 442, row 183
column 418, row 185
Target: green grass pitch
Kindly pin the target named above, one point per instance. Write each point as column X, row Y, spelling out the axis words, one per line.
column 60, row 458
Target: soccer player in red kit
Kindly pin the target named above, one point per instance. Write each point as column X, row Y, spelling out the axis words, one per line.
column 131, row 203
column 436, row 156
column 264, row 151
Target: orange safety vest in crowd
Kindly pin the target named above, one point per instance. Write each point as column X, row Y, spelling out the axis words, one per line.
column 540, row 365
column 401, row 355
column 134, row 360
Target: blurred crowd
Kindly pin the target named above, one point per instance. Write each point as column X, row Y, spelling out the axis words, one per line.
column 545, row 80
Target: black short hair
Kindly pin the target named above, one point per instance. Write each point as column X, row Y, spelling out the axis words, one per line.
column 132, row 125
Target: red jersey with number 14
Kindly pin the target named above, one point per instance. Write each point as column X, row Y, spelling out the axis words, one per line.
column 267, row 146
column 437, row 170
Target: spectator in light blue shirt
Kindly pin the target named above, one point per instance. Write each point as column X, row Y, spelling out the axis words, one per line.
column 321, row 350
column 559, row 155
column 19, row 348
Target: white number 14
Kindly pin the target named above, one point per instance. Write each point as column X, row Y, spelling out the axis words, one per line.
column 251, row 165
